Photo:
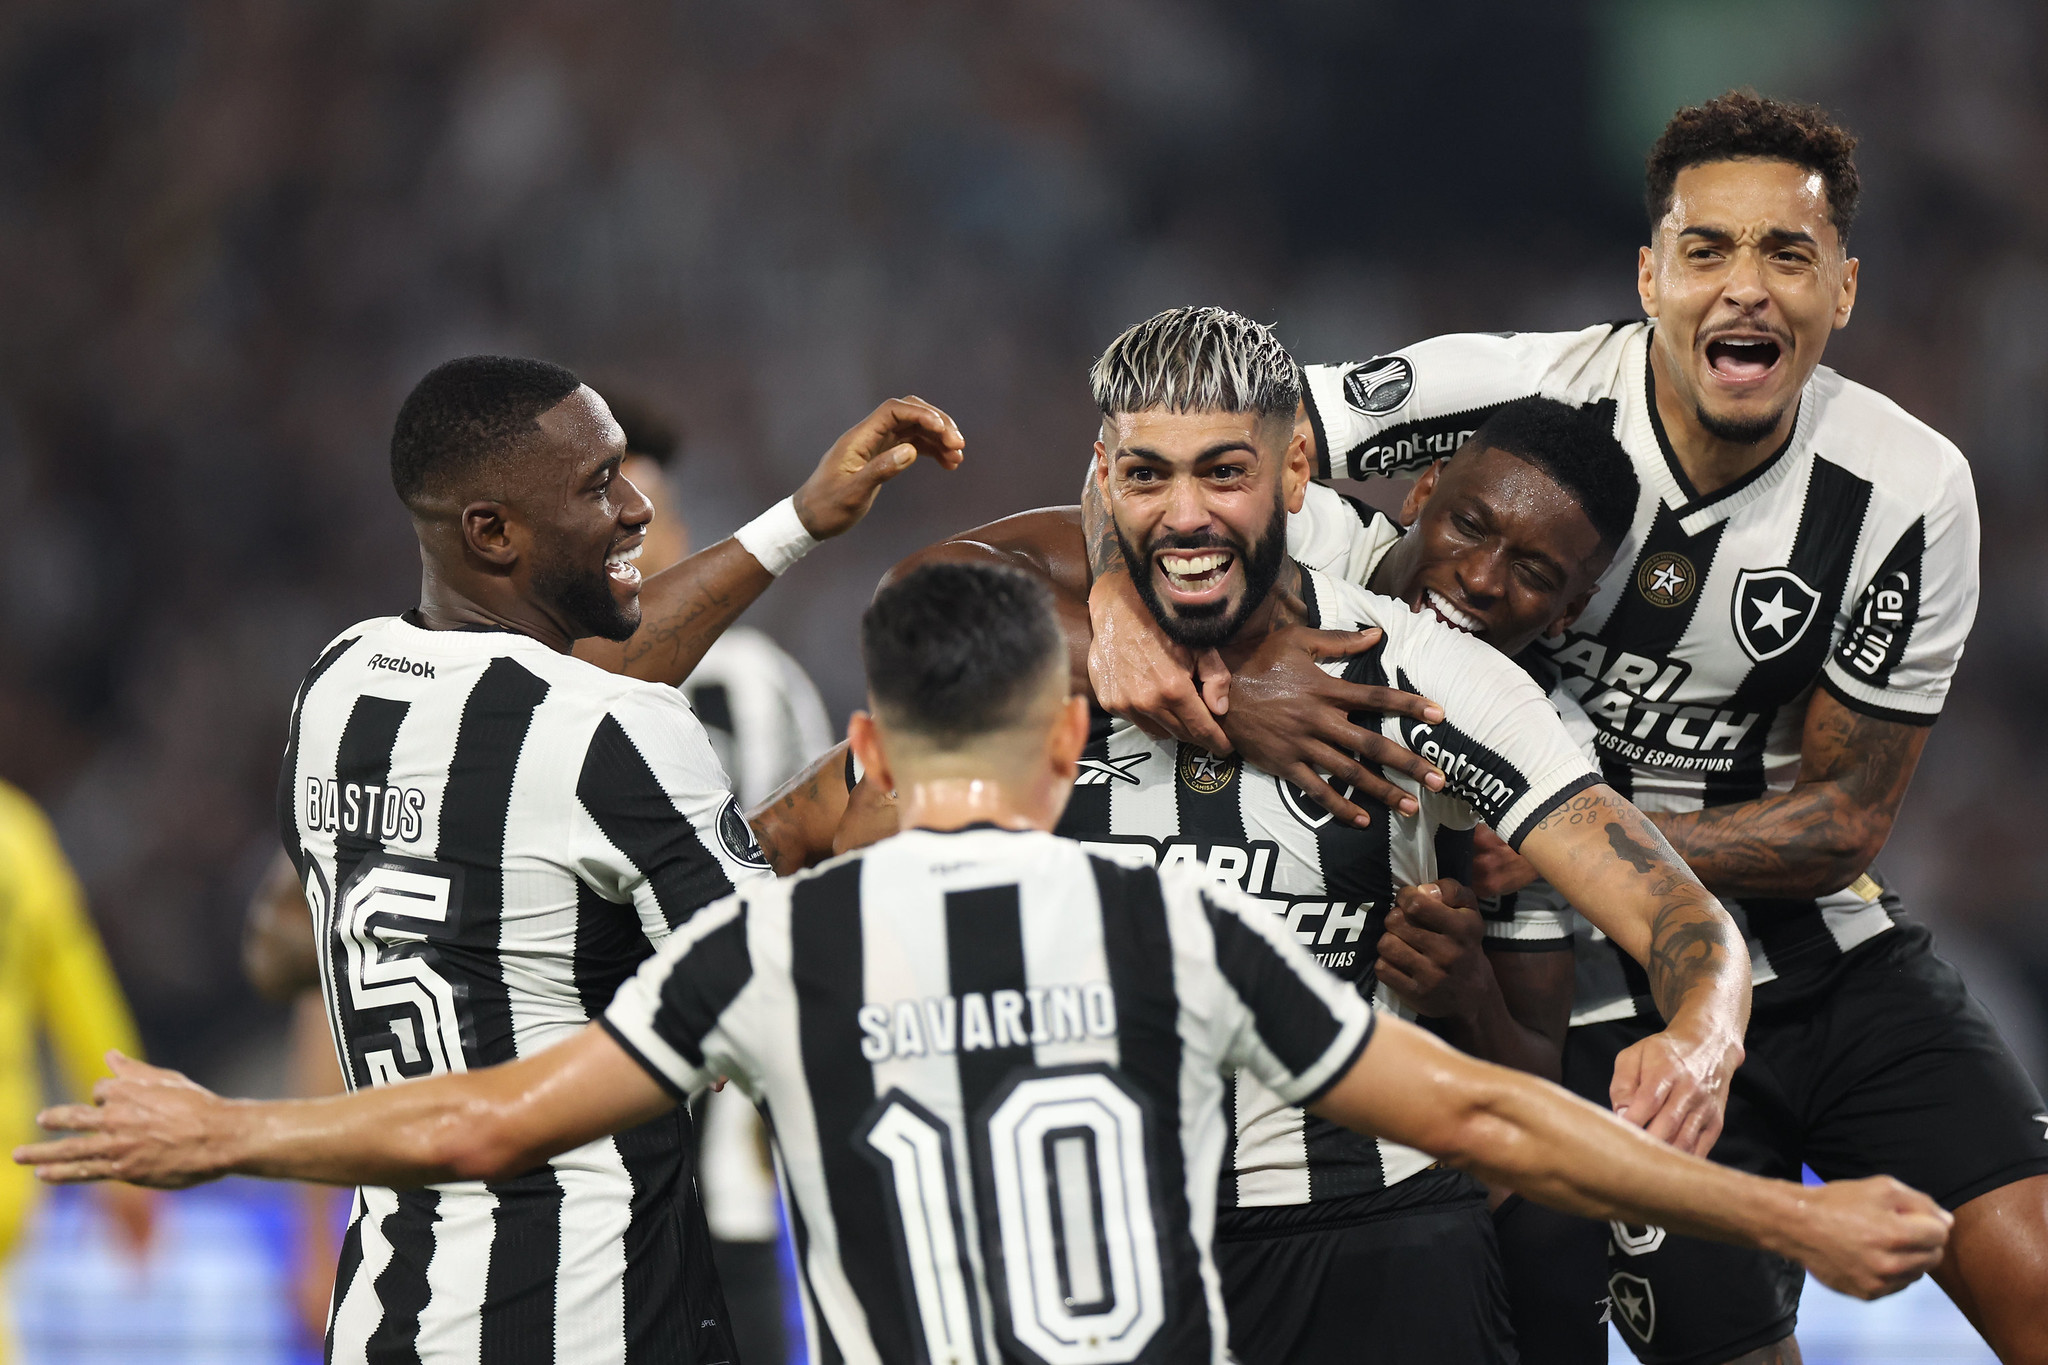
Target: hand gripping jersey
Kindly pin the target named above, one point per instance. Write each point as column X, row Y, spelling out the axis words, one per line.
column 1847, row 560
column 994, row 1067
column 1506, row 759
column 492, row 837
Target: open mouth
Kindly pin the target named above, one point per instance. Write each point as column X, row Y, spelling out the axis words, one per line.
column 1742, row 359
column 620, row 568
column 1194, row 575
column 1449, row 614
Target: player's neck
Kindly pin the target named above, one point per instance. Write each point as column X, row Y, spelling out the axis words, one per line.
column 946, row 803
column 1266, row 616
column 445, row 607
column 1710, row 462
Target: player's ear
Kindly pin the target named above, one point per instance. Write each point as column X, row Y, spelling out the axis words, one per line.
column 1845, row 300
column 866, row 740
column 1419, row 493
column 1297, row 468
column 491, row 534
column 1569, row 614
column 1069, row 737
column 1646, row 279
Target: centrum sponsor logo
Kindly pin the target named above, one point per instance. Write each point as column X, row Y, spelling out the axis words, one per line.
column 391, row 663
column 1462, row 776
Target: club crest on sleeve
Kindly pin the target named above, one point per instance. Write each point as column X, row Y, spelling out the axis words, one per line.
column 1380, row 385
column 1204, row 774
column 1666, row 579
column 737, row 838
column 1773, row 608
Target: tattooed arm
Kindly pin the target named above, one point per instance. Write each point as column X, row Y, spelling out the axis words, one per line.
column 685, row 608
column 1819, row 836
column 1610, row 862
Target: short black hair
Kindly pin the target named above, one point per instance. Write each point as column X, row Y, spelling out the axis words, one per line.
column 955, row 650
column 1742, row 124
column 649, row 431
column 468, row 412
column 1575, row 446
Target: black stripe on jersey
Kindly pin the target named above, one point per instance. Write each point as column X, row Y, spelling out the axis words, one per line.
column 826, row 967
column 985, row 954
column 1315, row 424
column 518, row 1319
column 630, row 805
column 401, row 1287
column 1292, row 1020
column 346, row 1266
column 1830, row 520
column 610, row 946
column 713, row 705
column 714, row 971
column 474, row 810
column 1357, row 864
column 288, row 794
column 1881, row 625
column 363, row 758
column 1087, row 812
column 667, row 1247
column 1139, row 949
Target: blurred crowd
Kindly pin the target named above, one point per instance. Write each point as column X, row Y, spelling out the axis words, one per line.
column 233, row 233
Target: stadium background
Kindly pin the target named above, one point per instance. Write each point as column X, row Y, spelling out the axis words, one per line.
column 233, row 234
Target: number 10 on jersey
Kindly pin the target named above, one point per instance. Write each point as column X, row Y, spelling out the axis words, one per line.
column 1066, row 1207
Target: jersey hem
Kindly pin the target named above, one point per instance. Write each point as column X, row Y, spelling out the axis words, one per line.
column 1873, row 709
column 661, row 1078
column 1526, row 945
column 1513, row 838
column 2024, row 1170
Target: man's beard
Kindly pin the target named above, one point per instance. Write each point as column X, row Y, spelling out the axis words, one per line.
column 584, row 599
column 1744, row 431
column 1206, row 627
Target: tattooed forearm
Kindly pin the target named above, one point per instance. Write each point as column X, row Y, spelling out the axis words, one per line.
column 1819, row 836
column 1105, row 556
column 1688, row 949
column 1628, row 850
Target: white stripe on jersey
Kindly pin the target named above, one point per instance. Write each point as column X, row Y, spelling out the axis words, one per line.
column 1504, row 751
column 1848, row 560
column 493, row 836
column 989, row 1012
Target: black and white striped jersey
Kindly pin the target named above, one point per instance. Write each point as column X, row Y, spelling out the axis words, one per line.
column 492, row 837
column 1507, row 760
column 1848, row 561
column 761, row 711
column 994, row 1066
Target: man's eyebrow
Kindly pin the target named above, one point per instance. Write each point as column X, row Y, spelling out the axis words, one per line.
column 1721, row 234
column 610, row 462
column 1221, row 448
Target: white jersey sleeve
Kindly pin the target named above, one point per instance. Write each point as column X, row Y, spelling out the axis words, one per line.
column 1912, row 611
column 1506, row 757
column 668, row 1015
column 1339, row 535
column 1411, row 407
column 1278, row 1013
column 671, row 838
column 1540, row 918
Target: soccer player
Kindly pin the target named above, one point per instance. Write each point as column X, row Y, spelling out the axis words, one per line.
column 1325, row 1240
column 1761, row 665
column 492, row 835
column 997, row 1062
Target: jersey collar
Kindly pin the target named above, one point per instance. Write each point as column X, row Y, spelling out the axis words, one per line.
column 1696, row 513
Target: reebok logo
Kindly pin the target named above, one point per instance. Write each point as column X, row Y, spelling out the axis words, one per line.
column 391, row 663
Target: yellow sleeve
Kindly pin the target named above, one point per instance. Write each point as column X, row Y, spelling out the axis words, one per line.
column 77, row 999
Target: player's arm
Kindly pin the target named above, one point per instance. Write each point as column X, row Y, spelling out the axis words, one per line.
column 685, row 608
column 151, row 1126
column 795, row 825
column 1605, row 858
column 279, row 956
column 1864, row 1237
column 1507, row 1006
column 1819, row 836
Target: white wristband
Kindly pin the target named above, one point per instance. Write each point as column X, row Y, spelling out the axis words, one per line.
column 777, row 537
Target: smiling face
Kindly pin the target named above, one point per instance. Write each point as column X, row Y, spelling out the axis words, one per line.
column 1495, row 548
column 1746, row 278
column 584, row 519
column 1200, row 501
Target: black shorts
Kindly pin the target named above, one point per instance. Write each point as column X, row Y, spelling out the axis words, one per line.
column 1893, row 1070
column 1408, row 1273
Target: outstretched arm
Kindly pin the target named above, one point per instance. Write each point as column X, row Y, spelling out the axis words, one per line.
column 150, row 1126
column 685, row 608
column 1865, row 1237
column 1608, row 860
column 1820, row 836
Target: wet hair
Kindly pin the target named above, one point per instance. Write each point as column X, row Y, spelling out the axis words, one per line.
column 1197, row 360
column 954, row 651
column 649, row 431
column 468, row 413
column 1743, row 124
column 1575, row 447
